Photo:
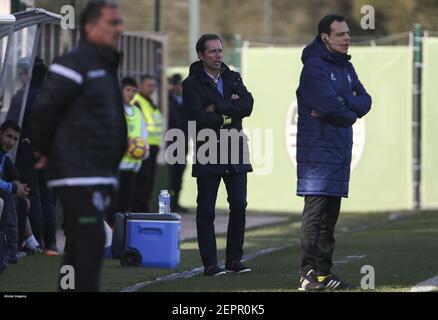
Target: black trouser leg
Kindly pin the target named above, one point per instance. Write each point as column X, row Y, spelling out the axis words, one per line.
column 145, row 181
column 84, row 209
column 25, row 165
column 9, row 223
column 151, row 172
column 318, row 223
column 205, row 215
column 22, row 210
column 48, row 212
column 236, row 197
column 35, row 214
column 176, row 172
column 126, row 190
column 140, row 183
column 326, row 243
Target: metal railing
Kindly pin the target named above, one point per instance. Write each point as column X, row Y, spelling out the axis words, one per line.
column 142, row 52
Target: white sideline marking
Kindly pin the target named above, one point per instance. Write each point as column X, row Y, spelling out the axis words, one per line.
column 426, row 286
column 196, row 271
column 199, row 270
column 349, row 259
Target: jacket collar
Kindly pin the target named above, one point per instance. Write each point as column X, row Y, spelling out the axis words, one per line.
column 318, row 48
column 197, row 70
column 109, row 56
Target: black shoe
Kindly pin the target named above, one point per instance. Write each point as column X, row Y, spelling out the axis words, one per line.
column 332, row 282
column 213, row 271
column 236, row 267
column 37, row 250
column 309, row 282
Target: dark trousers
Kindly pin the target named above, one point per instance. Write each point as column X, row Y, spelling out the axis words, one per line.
column 9, row 223
column 205, row 215
column 48, row 211
column 42, row 213
column 35, row 214
column 318, row 223
column 25, row 162
column 126, row 190
column 144, row 182
column 22, row 210
column 176, row 172
column 84, row 209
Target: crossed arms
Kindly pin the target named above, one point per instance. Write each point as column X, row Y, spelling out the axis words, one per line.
column 341, row 111
column 239, row 105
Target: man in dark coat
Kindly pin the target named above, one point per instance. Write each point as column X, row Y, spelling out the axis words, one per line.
column 10, row 185
column 217, row 101
column 80, row 132
column 330, row 99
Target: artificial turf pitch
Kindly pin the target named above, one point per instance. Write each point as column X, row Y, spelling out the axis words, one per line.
column 402, row 252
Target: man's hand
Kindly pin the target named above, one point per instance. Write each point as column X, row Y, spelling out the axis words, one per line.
column 22, row 189
column 234, row 97
column 42, row 161
column 210, row 108
column 314, row 114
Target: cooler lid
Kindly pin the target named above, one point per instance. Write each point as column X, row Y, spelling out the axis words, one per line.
column 153, row 216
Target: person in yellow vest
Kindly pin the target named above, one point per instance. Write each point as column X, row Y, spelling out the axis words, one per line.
column 152, row 115
column 138, row 148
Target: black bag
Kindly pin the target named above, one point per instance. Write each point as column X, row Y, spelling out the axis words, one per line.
column 2, row 252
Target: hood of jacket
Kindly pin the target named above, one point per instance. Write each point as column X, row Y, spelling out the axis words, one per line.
column 317, row 49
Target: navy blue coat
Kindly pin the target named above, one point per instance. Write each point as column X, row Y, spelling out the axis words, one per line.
column 324, row 143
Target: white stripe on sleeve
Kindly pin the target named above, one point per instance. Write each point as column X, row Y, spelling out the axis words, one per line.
column 82, row 181
column 66, row 73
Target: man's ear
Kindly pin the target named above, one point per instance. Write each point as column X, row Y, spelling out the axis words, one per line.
column 88, row 27
column 200, row 56
column 324, row 37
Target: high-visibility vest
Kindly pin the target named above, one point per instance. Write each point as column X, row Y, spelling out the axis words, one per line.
column 134, row 125
column 153, row 119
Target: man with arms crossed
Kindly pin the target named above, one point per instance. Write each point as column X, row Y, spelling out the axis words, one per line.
column 330, row 99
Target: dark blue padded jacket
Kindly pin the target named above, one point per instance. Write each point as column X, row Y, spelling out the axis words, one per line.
column 330, row 87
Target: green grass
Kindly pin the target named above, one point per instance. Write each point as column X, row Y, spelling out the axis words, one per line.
column 403, row 253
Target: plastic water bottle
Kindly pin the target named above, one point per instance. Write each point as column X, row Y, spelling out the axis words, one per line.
column 164, row 202
column 167, row 206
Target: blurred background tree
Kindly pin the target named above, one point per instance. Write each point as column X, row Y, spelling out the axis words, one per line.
column 279, row 22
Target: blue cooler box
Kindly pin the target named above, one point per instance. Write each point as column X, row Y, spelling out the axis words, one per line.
column 152, row 240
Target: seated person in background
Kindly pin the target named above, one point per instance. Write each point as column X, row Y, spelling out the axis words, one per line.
column 18, row 211
column 26, row 239
column 10, row 186
column 41, row 214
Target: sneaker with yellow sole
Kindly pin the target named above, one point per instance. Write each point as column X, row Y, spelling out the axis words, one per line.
column 332, row 282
